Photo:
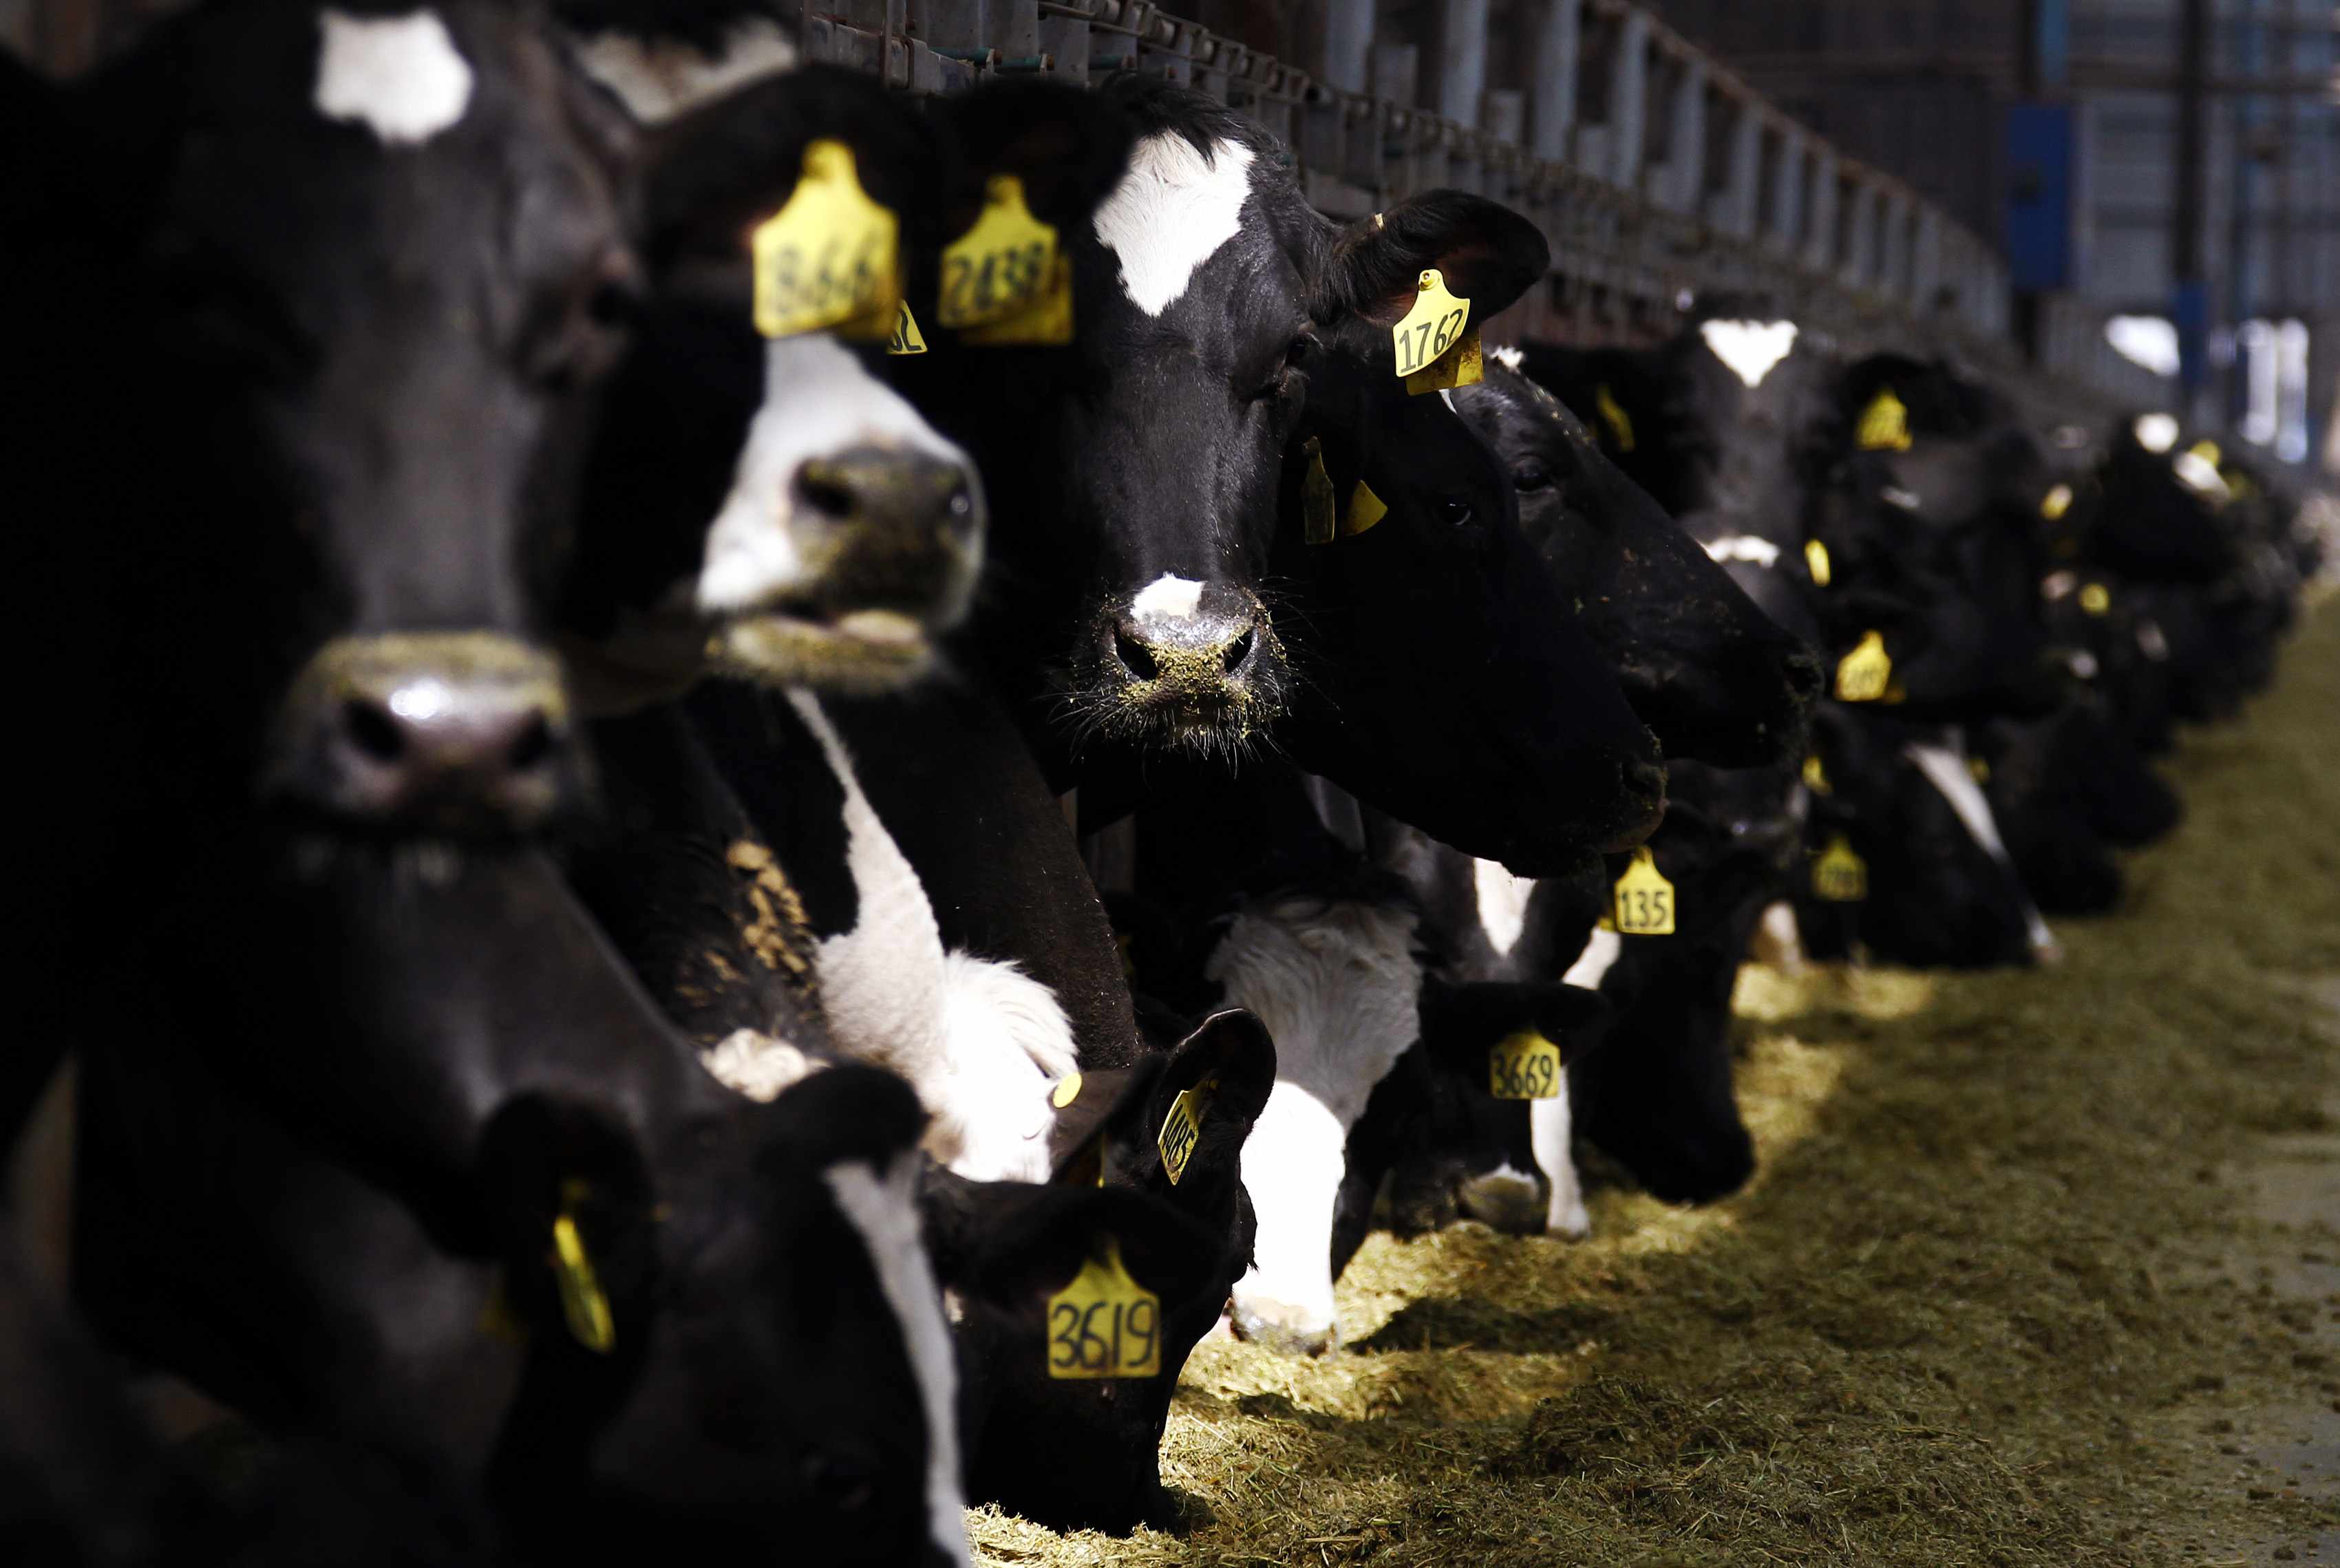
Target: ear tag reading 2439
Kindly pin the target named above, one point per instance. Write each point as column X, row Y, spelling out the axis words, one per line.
column 1525, row 1066
column 1645, row 899
column 1839, row 875
column 1317, row 523
column 828, row 258
column 1429, row 332
column 1884, row 425
column 1863, row 675
column 1003, row 273
column 1183, row 1127
column 1105, row 1323
column 582, row 1303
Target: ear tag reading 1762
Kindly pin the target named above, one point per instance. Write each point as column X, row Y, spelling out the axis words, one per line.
column 1816, row 561
column 1621, row 424
column 907, row 339
column 1426, row 332
column 1839, row 875
column 828, row 258
column 1863, row 675
column 1105, row 1323
column 1366, row 509
column 1884, row 425
column 1645, row 899
column 1317, row 523
column 1525, row 1066
column 1183, row 1127
column 1003, row 266
column 582, row 1304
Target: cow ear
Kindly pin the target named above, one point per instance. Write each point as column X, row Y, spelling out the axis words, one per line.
column 1011, row 1244
column 1068, row 147
column 1488, row 254
column 569, row 1204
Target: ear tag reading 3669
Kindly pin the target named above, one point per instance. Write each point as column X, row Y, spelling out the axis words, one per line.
column 906, row 338
column 1816, row 561
column 582, row 1304
column 1524, row 1066
column 828, row 258
column 1366, row 509
column 1621, row 424
column 1884, row 425
column 1863, row 675
column 1317, row 523
column 1645, row 899
column 1183, row 1127
column 1425, row 334
column 1001, row 267
column 1839, row 875
column 1105, row 1323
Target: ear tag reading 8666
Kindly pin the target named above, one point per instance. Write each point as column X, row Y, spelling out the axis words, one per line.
column 829, row 257
column 1105, row 1323
column 1003, row 268
column 1884, row 425
column 1839, row 875
column 1863, row 675
column 582, row 1303
column 1816, row 561
column 1183, row 1127
column 906, row 338
column 1645, row 899
column 1429, row 332
column 1524, row 1066
column 1621, row 424
column 1318, row 526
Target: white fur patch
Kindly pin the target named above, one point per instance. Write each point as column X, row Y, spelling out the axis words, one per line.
column 756, row 1065
column 1168, row 597
column 1747, row 547
column 1509, row 358
column 1503, row 901
column 1750, row 348
column 401, row 77
column 1550, row 1134
column 1601, row 949
column 819, row 401
column 1172, row 210
column 1292, row 1164
column 657, row 80
column 1895, row 496
column 1944, row 767
column 2155, row 432
column 1006, row 1042
column 880, row 1206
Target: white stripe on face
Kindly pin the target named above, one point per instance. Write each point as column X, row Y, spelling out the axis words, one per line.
column 401, row 77
column 880, row 1207
column 1945, row 768
column 1744, row 548
column 1293, row 1164
column 1172, row 210
column 1749, row 348
column 658, row 79
column 1550, row 1127
column 1168, row 597
column 1503, row 901
column 1600, row 950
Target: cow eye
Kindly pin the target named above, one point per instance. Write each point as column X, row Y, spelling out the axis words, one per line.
column 1295, row 356
column 602, row 303
column 1530, row 475
column 1455, row 513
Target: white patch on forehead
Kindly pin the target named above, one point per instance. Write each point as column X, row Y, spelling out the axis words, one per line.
column 1172, row 210
column 880, row 1207
column 400, row 76
column 656, row 79
column 1509, row 357
column 1168, row 597
column 1601, row 949
column 1944, row 767
column 1503, row 901
column 1748, row 547
column 819, row 401
column 1749, row 348
column 2155, row 432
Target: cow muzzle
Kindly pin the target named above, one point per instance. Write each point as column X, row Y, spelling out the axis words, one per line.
column 1193, row 666
column 461, row 735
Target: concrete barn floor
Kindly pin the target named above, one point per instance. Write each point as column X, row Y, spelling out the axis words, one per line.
column 2038, row 1268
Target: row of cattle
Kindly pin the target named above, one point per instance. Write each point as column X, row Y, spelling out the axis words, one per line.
column 742, row 792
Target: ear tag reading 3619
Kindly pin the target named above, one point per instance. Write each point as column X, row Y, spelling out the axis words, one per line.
column 1816, row 561
column 1366, row 509
column 1645, row 899
column 1427, row 332
column 1317, row 523
column 1105, row 1323
column 828, row 258
column 582, row 1304
column 1183, row 1127
column 1524, row 1066
column 1621, row 424
column 907, row 339
column 1863, row 675
column 1839, row 875
column 1884, row 425
column 1001, row 267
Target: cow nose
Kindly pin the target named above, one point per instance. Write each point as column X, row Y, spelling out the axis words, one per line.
column 456, row 733
column 1643, row 785
column 908, row 499
column 1805, row 677
column 1198, row 636
column 1279, row 1325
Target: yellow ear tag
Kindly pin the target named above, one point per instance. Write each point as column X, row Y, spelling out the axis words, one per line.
column 1003, row 266
column 1525, row 1066
column 1366, row 509
column 1068, row 1089
column 1317, row 524
column 1839, row 875
column 828, row 258
column 1183, row 1125
column 1645, row 899
column 1105, row 1323
column 907, row 339
column 1977, row 770
column 2055, row 502
column 1816, row 561
column 1048, row 324
column 1863, row 675
column 2096, row 599
column 1884, row 425
column 1430, row 328
column 2208, row 452
column 582, row 1304
column 1621, row 424
column 1460, row 366
column 1815, row 777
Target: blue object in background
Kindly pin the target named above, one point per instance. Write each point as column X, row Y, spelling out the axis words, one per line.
column 2040, row 195
column 2189, row 312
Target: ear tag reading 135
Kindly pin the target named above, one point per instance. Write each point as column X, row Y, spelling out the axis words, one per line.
column 1884, row 425
column 1317, row 523
column 1839, row 875
column 1863, row 675
column 1003, row 273
column 828, row 258
column 1645, row 899
column 1525, row 1066
column 582, row 1304
column 1183, row 1127
column 1105, row 1323
column 1429, row 332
